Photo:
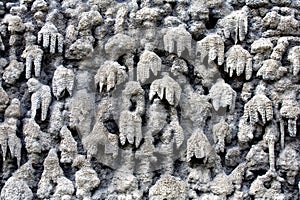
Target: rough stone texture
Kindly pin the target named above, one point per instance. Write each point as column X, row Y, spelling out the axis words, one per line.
column 150, row 99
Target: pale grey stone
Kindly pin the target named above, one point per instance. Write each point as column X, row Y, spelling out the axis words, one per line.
column 153, row 99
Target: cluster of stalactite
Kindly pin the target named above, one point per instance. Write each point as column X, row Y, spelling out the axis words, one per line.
column 150, row 99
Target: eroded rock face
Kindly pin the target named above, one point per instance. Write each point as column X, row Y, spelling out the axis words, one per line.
column 149, row 99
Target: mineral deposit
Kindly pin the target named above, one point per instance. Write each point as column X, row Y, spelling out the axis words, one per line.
column 150, row 99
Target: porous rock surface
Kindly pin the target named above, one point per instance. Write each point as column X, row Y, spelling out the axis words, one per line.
column 150, row 99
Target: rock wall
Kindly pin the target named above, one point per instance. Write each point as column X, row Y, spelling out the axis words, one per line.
column 149, row 99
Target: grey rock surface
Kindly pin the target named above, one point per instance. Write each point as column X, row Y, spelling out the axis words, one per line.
column 150, row 99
